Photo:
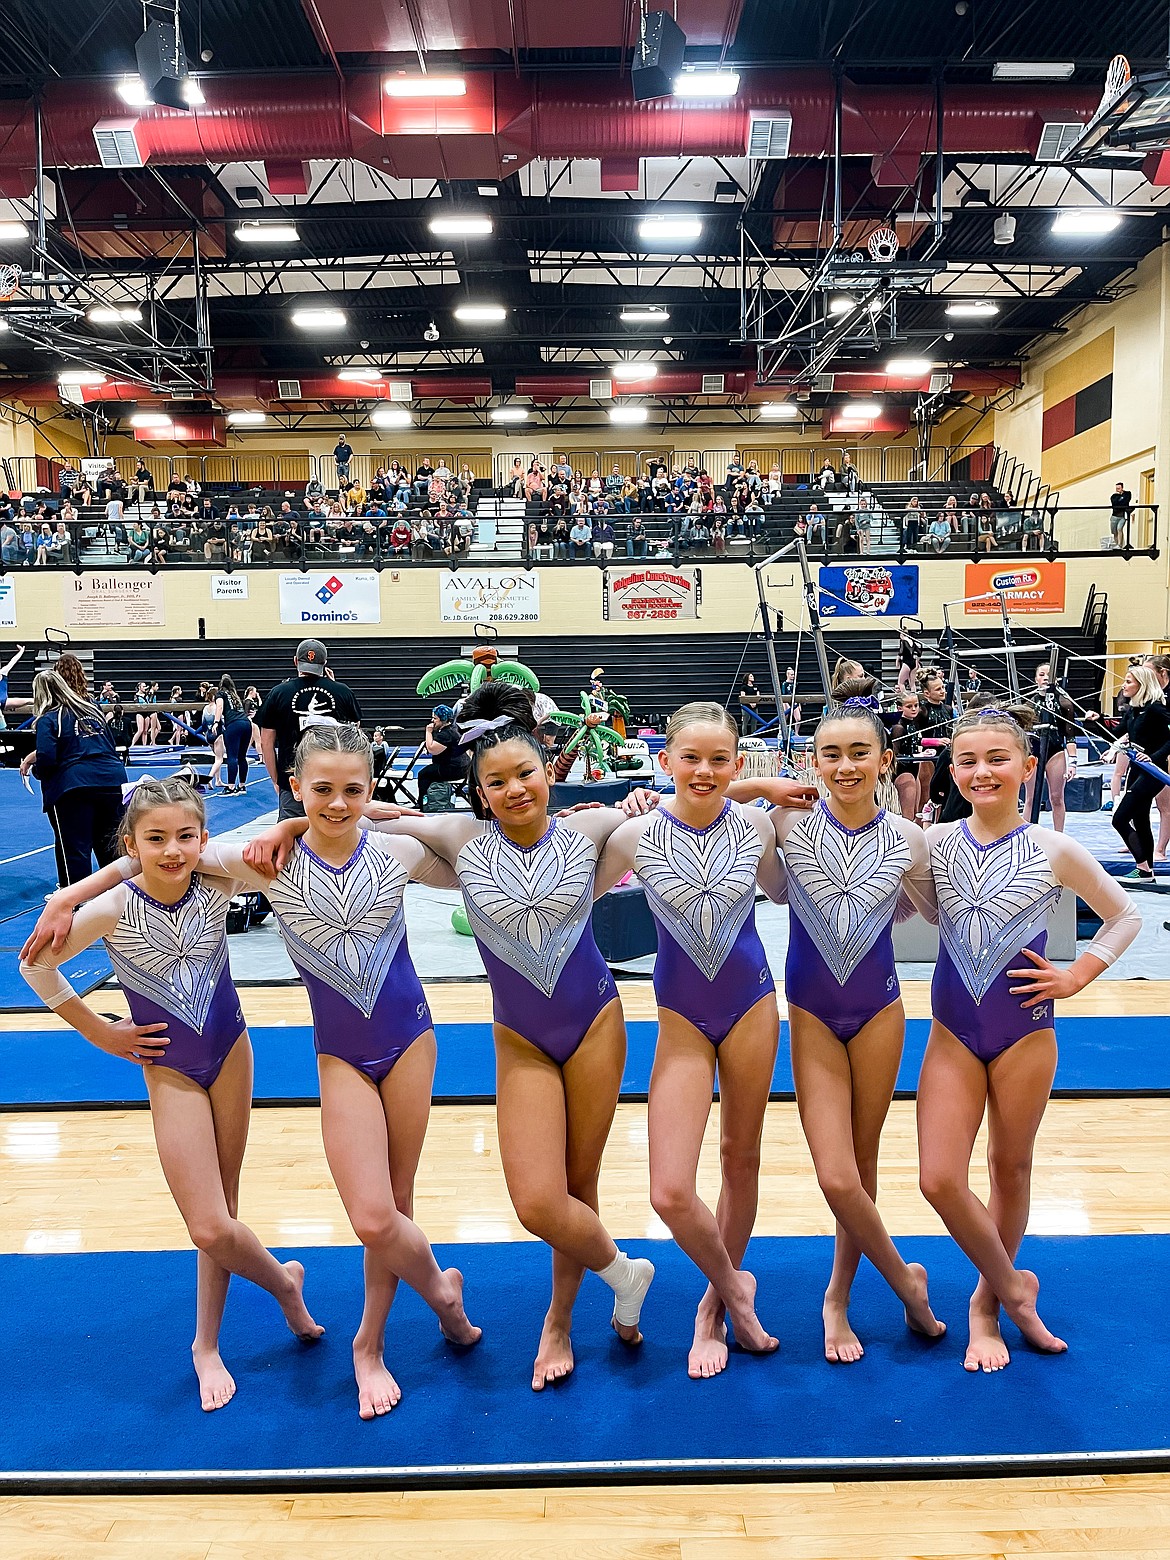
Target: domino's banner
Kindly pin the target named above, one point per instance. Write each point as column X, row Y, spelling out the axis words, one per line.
column 868, row 590
column 8, row 602
column 321, row 598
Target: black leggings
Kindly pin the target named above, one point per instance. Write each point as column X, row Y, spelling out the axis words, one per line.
column 1131, row 816
column 85, row 823
column 236, row 737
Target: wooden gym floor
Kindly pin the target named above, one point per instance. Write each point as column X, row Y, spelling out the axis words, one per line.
column 90, row 1181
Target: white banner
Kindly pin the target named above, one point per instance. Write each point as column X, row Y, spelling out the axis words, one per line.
column 8, row 603
column 323, row 597
column 92, row 466
column 229, row 587
column 113, row 601
column 489, row 596
column 651, row 594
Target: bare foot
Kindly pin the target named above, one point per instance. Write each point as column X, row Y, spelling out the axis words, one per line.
column 554, row 1355
column 216, row 1386
column 842, row 1345
column 919, row 1317
column 378, row 1392
column 1023, row 1313
column 708, row 1356
column 295, row 1311
column 986, row 1349
column 453, row 1323
column 749, row 1333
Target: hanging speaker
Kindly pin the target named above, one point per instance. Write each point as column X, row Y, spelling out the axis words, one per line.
column 162, row 64
column 658, row 57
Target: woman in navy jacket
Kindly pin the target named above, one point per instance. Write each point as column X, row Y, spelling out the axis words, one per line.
column 80, row 774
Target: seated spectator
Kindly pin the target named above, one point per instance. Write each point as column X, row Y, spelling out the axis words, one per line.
column 160, row 541
column 240, row 543
column 401, row 538
column 603, row 538
column 423, row 473
column 753, row 517
column 953, row 517
column 143, row 484
column 180, row 539
column 827, row 476
column 215, row 540
column 293, row 541
column 848, row 537
column 44, row 540
column 581, row 537
column 264, row 540
column 636, row 538
column 9, row 545
column 138, row 541
column 1032, row 531
column 313, row 489
column 61, row 543
column 815, row 527
column 938, row 534
column 775, row 484
column 753, row 479
column 985, row 537
column 561, row 537
column 848, row 474
column 614, row 483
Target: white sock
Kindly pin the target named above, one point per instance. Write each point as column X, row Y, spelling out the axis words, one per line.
column 629, row 1278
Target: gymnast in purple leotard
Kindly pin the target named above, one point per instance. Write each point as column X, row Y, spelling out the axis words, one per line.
column 698, row 858
column 992, row 1044
column 851, row 870
column 165, row 934
column 528, row 886
column 338, row 900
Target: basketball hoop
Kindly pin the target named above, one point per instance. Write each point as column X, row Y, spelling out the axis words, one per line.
column 1117, row 78
column 882, row 245
column 9, row 281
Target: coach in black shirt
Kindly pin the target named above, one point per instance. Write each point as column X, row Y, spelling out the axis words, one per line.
column 311, row 698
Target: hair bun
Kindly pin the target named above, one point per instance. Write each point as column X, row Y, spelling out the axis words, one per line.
column 493, row 699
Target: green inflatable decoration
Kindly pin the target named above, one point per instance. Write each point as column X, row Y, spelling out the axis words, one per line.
column 460, row 922
column 595, row 743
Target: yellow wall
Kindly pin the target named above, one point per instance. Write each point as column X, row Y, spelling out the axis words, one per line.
column 571, row 604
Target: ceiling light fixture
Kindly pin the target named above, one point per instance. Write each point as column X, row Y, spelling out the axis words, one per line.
column 319, row 319
column 192, row 92
column 862, row 410
column 908, row 367
column 781, row 411
column 151, row 420
column 628, row 373
column 13, row 232
column 481, row 313
column 842, row 305
column 267, row 233
column 1086, row 220
column 109, row 314
column 425, row 86
column 627, row 414
column 391, row 417
column 700, row 83
column 469, row 226
column 246, row 419
column 509, row 414
column 643, row 314
column 80, row 376
column 972, row 310
column 1032, row 70
column 132, row 90
column 360, row 376
column 657, row 230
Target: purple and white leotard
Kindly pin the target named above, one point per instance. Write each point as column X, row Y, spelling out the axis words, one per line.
column 345, row 931
column 530, row 908
column 994, row 901
column 172, row 963
column 700, row 885
column 846, row 888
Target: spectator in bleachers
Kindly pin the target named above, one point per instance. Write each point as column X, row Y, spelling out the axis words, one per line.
column 952, row 515
column 377, row 488
column 214, row 540
column 912, row 518
column 1032, row 531
column 580, row 538
column 815, row 527
column 938, row 534
column 734, row 472
column 293, row 541
column 109, row 483
column 264, row 540
column 636, row 537
column 138, row 542
column 44, row 536
column 114, row 510
column 67, row 479
column 423, row 473
column 143, row 485
column 864, row 517
column 755, row 482
column 827, row 476
column 313, row 490
column 848, row 474
column 847, row 535
column 401, row 538
column 342, row 456
column 614, row 484
column 603, row 537
column 1121, row 505
column 160, row 544
column 718, row 536
column 775, row 484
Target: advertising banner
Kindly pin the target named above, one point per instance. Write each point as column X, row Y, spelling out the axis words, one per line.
column 869, row 590
column 1029, row 587
column 113, row 601
column 320, row 598
column 489, row 596
column 8, row 603
column 650, row 593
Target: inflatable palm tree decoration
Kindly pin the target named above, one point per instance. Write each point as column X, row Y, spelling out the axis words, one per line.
column 485, row 663
column 595, row 742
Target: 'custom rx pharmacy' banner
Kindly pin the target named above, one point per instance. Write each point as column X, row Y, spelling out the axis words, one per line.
column 868, row 590
column 322, row 598
column 651, row 593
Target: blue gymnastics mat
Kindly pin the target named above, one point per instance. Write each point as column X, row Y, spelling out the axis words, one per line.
column 40, row 1070
column 28, row 873
column 99, row 1392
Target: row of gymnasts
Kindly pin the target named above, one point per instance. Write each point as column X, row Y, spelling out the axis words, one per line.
column 848, row 869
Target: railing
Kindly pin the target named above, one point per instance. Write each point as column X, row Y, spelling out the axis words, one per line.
column 94, row 541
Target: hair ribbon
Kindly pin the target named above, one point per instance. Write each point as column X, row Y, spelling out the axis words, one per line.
column 866, row 702
column 475, row 729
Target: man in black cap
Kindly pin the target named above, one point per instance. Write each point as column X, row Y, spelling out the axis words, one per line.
column 312, row 698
